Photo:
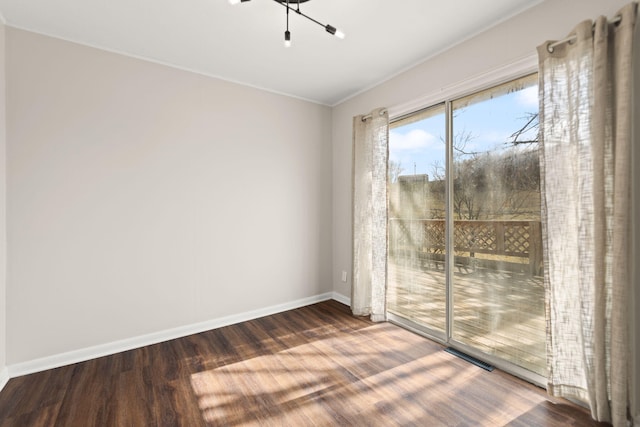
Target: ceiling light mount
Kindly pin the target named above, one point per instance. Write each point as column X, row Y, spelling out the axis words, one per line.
column 287, row 4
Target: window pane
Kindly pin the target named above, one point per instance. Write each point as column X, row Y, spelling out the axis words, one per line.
column 498, row 296
column 416, row 278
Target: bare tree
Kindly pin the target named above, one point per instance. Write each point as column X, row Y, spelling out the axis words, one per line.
column 494, row 184
column 502, row 183
column 395, row 169
column 521, row 136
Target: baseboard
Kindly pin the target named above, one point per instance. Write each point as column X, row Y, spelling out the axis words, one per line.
column 82, row 355
column 341, row 298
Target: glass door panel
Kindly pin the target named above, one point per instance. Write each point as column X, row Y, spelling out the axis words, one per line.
column 497, row 288
column 416, row 255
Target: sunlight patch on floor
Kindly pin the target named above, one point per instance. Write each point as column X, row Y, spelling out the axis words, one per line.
column 368, row 376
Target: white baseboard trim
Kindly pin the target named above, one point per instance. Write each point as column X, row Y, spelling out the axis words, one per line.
column 4, row 377
column 82, row 355
column 341, row 298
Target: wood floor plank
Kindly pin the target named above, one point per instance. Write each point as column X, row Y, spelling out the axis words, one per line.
column 130, row 405
column 313, row 366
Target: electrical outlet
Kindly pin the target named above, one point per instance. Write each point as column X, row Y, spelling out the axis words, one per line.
column 344, row 276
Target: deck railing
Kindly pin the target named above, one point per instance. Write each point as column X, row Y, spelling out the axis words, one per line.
column 425, row 238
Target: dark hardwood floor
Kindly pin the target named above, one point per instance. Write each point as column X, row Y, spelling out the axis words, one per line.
column 316, row 365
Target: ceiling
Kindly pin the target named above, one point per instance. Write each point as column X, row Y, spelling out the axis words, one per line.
column 244, row 43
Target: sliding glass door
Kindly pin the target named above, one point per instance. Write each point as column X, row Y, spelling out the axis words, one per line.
column 465, row 251
column 416, row 255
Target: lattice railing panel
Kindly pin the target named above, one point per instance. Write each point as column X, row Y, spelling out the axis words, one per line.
column 517, row 239
column 426, row 238
column 475, row 237
column 512, row 238
column 434, row 236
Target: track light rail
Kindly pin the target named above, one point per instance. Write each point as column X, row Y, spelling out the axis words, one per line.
column 286, row 4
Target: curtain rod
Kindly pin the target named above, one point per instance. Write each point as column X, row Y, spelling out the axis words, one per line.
column 572, row 39
column 368, row 116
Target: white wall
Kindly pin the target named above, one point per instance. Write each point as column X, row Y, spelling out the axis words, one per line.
column 3, row 216
column 506, row 43
column 142, row 198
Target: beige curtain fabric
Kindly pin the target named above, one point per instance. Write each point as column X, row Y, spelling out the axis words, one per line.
column 585, row 127
column 370, row 153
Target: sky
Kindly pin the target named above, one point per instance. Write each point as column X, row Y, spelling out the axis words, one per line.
column 419, row 146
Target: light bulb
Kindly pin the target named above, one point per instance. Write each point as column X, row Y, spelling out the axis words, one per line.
column 334, row 31
column 287, row 39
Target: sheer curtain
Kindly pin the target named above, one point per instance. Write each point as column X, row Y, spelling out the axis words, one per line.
column 370, row 152
column 585, row 128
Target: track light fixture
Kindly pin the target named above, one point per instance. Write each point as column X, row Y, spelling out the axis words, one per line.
column 287, row 4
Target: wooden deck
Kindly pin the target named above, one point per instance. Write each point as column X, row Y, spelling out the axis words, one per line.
column 498, row 312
